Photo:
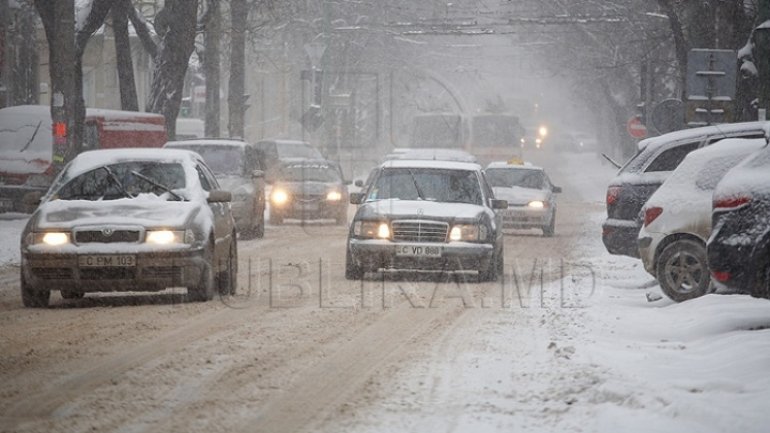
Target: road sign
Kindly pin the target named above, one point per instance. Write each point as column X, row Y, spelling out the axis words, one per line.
column 636, row 128
column 668, row 116
column 711, row 82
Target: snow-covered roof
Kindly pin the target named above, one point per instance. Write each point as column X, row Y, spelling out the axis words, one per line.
column 713, row 130
column 429, row 163
column 92, row 159
column 505, row 164
column 437, row 154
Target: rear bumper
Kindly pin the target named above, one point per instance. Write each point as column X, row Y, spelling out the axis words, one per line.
column 620, row 237
column 12, row 198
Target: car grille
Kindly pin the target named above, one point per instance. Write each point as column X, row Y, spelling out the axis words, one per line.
column 108, row 274
column 163, row 272
column 419, row 231
column 53, row 273
column 102, row 236
column 308, row 198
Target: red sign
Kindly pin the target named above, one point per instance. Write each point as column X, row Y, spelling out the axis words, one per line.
column 636, row 128
column 59, row 130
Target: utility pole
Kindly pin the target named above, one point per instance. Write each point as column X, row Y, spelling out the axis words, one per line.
column 762, row 54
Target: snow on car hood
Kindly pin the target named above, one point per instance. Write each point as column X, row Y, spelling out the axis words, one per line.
column 520, row 196
column 421, row 209
column 147, row 212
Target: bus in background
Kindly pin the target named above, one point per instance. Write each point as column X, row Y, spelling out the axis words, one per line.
column 495, row 136
column 26, row 145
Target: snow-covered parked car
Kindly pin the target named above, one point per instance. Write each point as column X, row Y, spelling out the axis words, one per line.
column 426, row 215
column 677, row 219
column 739, row 246
column 130, row 220
column 529, row 193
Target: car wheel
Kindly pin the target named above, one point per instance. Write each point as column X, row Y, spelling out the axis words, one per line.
column 494, row 269
column 32, row 298
column 352, row 271
column 204, row 290
column 682, row 270
column 550, row 229
column 71, row 294
column 228, row 280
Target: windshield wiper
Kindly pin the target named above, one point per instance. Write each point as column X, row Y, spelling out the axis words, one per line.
column 117, row 182
column 417, row 187
column 157, row 184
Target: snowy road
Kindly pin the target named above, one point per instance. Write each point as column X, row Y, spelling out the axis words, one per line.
column 567, row 343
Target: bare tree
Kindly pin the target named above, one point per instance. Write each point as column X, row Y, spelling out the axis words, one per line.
column 123, row 60
column 236, row 97
column 212, row 22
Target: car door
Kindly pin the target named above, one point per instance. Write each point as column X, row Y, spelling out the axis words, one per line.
column 223, row 219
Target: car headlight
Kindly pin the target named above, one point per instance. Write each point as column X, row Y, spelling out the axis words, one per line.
column 165, row 237
column 468, row 232
column 53, row 239
column 371, row 229
column 279, row 197
column 334, row 196
column 536, row 204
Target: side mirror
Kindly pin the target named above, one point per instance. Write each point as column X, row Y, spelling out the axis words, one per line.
column 32, row 198
column 359, row 183
column 356, row 197
column 557, row 190
column 219, row 196
column 256, row 174
column 499, row 204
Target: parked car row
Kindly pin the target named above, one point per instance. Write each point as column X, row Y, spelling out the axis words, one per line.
column 661, row 203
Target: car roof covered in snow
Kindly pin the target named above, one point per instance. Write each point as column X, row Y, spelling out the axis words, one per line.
column 439, row 154
column 713, row 130
column 506, row 164
column 93, row 159
column 430, row 163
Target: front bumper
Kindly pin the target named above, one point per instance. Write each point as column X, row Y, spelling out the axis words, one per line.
column 152, row 271
column 374, row 254
column 525, row 217
column 620, row 237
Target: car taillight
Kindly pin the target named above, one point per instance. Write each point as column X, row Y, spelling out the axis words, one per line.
column 613, row 193
column 651, row 213
column 720, row 276
column 731, row 202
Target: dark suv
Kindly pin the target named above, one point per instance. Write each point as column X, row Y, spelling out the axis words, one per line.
column 638, row 179
column 739, row 247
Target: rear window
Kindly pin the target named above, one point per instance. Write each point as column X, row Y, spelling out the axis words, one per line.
column 669, row 159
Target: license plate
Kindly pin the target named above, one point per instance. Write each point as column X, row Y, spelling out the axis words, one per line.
column 6, row 205
column 106, row 261
column 310, row 207
column 418, row 251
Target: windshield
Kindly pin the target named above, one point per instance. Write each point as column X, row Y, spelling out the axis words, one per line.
column 220, row 159
column 508, row 178
column 451, row 186
column 125, row 180
column 310, row 173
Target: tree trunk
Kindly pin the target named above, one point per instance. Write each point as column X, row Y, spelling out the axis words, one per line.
column 123, row 61
column 680, row 43
column 211, row 59
column 176, row 25
column 236, row 97
column 58, row 17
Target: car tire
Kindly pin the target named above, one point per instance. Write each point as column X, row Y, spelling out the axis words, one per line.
column 70, row 294
column 204, row 290
column 352, row 271
column 227, row 281
column 550, row 229
column 32, row 298
column 682, row 270
column 494, row 269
